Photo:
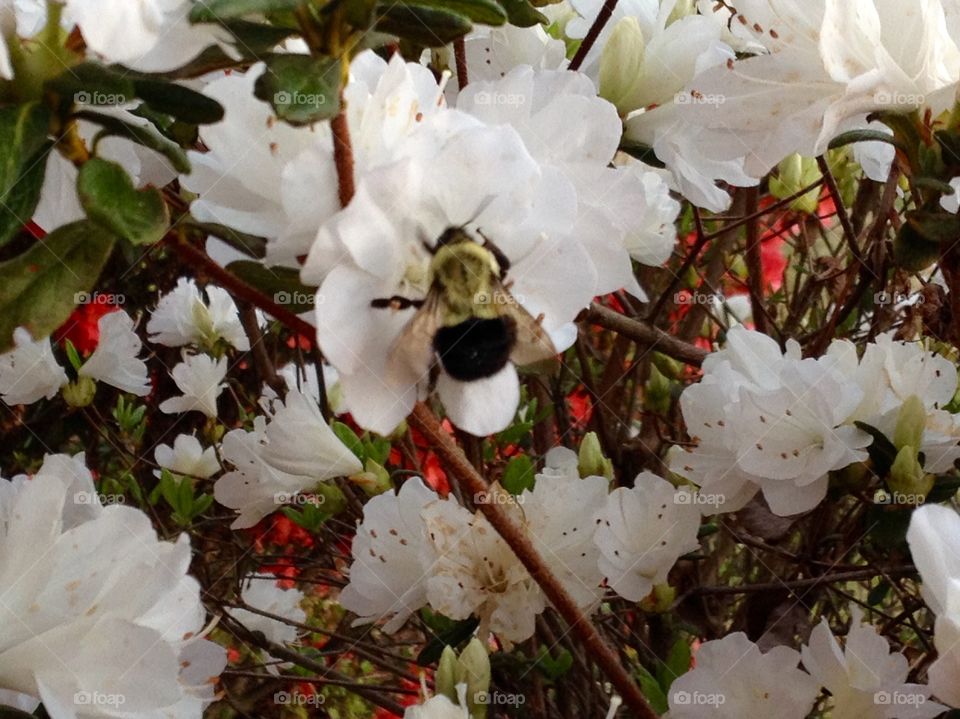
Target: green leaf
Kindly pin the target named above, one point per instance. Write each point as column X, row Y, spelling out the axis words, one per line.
column 141, row 134
column 881, row 450
column 651, row 690
column 446, row 632
column 38, row 288
column 487, row 12
column 677, row 664
column 349, row 438
column 876, row 595
column 23, row 137
column 427, row 26
column 248, row 244
column 281, row 283
column 19, row 202
column 91, row 83
column 178, row 101
column 110, row 199
column 300, row 88
column 552, row 668
column 863, row 135
column 518, row 475
column 217, row 10
column 522, row 14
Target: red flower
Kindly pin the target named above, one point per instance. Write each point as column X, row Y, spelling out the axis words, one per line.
column 82, row 328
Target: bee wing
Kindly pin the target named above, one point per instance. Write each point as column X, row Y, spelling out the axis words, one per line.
column 412, row 355
column 533, row 343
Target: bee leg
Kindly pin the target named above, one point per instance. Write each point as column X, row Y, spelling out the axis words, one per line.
column 396, row 302
column 501, row 258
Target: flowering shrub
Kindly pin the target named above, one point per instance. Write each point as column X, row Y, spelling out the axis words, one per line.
column 466, row 359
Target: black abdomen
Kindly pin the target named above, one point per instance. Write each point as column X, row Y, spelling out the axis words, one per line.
column 475, row 348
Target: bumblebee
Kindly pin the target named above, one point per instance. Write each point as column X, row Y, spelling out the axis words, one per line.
column 469, row 324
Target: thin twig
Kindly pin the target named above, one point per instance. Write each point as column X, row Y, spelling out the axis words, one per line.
column 425, row 421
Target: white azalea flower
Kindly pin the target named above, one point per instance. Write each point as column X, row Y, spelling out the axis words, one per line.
column 182, row 317
column 187, row 458
column 641, row 533
column 865, row 679
column 492, row 52
column 374, row 249
column 733, row 679
column 93, row 604
column 144, row 35
column 114, row 361
column 440, row 707
column 200, row 378
column 264, row 594
column 622, row 211
column 267, row 178
column 794, row 435
column 473, row 571
column 276, row 460
column 387, row 579
column 828, row 65
column 934, row 539
column 29, row 371
column 762, row 419
column 642, row 60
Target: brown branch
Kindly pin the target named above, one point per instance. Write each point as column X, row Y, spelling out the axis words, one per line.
column 754, row 260
column 593, row 33
column 203, row 265
column 852, row 576
column 343, row 154
column 460, row 58
column 646, row 335
column 426, row 422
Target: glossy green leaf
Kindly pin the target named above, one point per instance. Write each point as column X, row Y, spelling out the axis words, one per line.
column 24, row 143
column 522, row 14
column 487, row 12
column 426, row 26
column 282, row 284
column 91, row 83
column 217, row 10
column 38, row 289
column 301, row 89
column 518, row 475
column 142, row 135
column 178, row 101
column 110, row 199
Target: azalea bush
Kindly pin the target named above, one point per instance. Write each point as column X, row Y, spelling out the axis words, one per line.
column 468, row 359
